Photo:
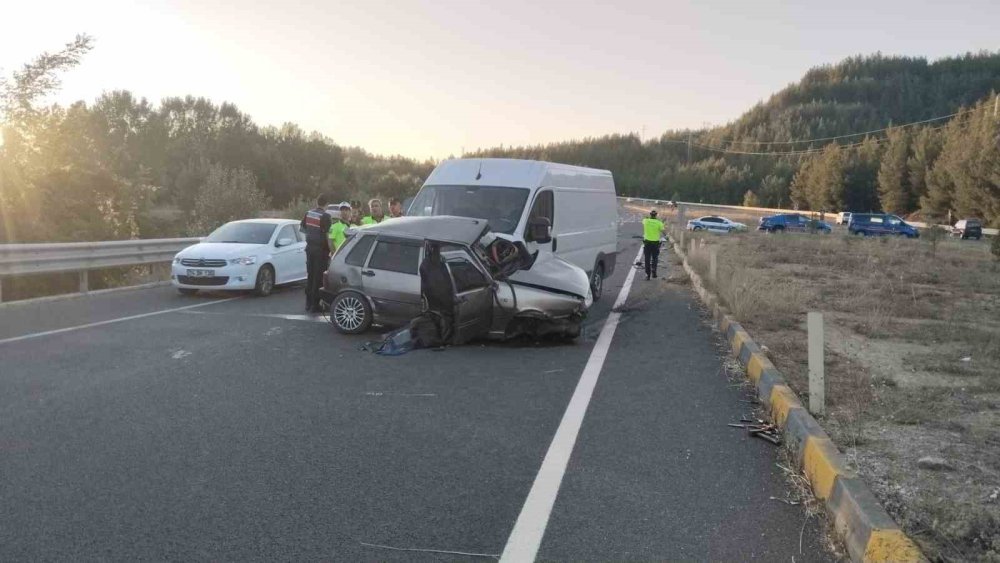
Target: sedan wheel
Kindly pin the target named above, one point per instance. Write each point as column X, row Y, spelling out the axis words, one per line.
column 351, row 313
column 265, row 281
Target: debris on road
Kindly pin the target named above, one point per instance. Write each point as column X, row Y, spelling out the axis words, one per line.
column 786, row 501
column 759, row 429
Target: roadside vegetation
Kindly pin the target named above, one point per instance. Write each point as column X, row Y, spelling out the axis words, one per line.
column 912, row 364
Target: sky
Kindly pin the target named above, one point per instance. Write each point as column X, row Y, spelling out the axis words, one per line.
column 429, row 79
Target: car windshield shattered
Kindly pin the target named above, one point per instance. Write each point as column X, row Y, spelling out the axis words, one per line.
column 242, row 233
column 501, row 207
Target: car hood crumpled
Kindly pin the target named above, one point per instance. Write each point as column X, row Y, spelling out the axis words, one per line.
column 555, row 274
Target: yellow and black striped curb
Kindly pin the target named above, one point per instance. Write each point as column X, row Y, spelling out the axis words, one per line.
column 868, row 531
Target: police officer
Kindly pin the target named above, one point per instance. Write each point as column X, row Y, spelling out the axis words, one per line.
column 316, row 226
column 651, row 229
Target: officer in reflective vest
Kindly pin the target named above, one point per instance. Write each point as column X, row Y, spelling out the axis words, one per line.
column 339, row 227
column 316, row 226
column 377, row 215
column 651, row 229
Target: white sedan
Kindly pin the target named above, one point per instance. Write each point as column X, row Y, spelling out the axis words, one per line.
column 252, row 254
column 715, row 223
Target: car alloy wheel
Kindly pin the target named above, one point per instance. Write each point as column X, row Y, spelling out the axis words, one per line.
column 351, row 314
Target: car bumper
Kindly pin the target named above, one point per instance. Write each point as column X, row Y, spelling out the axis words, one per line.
column 225, row 278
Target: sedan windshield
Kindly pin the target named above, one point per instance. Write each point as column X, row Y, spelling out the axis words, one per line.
column 243, row 233
column 501, row 207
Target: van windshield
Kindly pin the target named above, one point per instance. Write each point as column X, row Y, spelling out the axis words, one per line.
column 501, row 207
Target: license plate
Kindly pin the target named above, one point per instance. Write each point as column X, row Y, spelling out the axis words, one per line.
column 201, row 273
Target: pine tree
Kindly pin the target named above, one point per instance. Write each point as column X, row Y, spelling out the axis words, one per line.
column 894, row 189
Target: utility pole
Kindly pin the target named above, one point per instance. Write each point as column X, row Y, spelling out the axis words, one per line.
column 996, row 105
column 689, row 147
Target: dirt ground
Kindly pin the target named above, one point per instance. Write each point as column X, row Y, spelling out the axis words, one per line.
column 912, row 364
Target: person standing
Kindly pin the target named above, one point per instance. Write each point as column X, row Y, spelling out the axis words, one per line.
column 316, row 225
column 651, row 229
column 339, row 227
column 395, row 208
column 377, row 216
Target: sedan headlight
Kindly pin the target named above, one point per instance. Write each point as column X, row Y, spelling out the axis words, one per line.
column 243, row 261
column 177, row 259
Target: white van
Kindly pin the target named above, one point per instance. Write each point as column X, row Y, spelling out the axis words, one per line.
column 568, row 211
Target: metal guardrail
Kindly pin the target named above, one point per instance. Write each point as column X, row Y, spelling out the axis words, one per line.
column 80, row 257
column 830, row 215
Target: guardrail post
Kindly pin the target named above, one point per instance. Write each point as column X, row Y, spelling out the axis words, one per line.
column 817, row 389
column 713, row 255
column 1, row 290
column 84, row 278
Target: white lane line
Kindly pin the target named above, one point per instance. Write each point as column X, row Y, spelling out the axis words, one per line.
column 112, row 321
column 526, row 538
column 308, row 318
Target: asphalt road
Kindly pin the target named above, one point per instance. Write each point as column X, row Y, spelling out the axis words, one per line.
column 243, row 430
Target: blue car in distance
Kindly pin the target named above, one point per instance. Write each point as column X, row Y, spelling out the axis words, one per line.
column 875, row 224
column 793, row 222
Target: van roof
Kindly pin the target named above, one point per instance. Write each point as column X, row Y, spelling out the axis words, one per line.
column 509, row 172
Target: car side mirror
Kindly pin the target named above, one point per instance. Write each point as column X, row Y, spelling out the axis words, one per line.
column 539, row 230
column 283, row 242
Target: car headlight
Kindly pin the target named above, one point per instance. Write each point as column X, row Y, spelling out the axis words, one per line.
column 177, row 259
column 243, row 261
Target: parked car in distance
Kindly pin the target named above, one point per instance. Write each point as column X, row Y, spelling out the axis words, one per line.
column 374, row 278
column 715, row 224
column 793, row 222
column 968, row 228
column 252, row 254
column 876, row 224
column 844, row 218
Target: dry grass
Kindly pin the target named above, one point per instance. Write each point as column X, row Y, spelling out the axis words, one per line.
column 913, row 364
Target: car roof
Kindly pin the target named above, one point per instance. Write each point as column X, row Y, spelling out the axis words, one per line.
column 267, row 221
column 447, row 228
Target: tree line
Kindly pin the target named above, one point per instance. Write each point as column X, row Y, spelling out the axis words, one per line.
column 942, row 168
column 122, row 167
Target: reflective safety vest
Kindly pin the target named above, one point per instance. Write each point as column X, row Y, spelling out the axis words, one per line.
column 337, row 236
column 369, row 220
column 651, row 229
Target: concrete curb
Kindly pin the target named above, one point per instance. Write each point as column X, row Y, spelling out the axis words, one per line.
column 867, row 530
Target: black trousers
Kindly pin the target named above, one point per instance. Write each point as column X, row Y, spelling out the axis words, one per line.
column 317, row 263
column 651, row 256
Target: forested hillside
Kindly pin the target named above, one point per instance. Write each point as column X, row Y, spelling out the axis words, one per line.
column 121, row 167
column 117, row 167
column 941, row 165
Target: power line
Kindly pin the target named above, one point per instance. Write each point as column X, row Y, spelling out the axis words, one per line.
column 802, row 152
column 804, row 141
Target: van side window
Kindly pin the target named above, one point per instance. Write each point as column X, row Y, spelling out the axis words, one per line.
column 544, row 206
column 360, row 251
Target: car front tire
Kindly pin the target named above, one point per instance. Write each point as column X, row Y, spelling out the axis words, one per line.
column 265, row 281
column 351, row 313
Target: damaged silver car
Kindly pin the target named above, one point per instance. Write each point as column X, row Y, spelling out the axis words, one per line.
column 375, row 279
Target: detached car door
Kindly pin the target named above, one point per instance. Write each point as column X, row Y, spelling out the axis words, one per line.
column 473, row 297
